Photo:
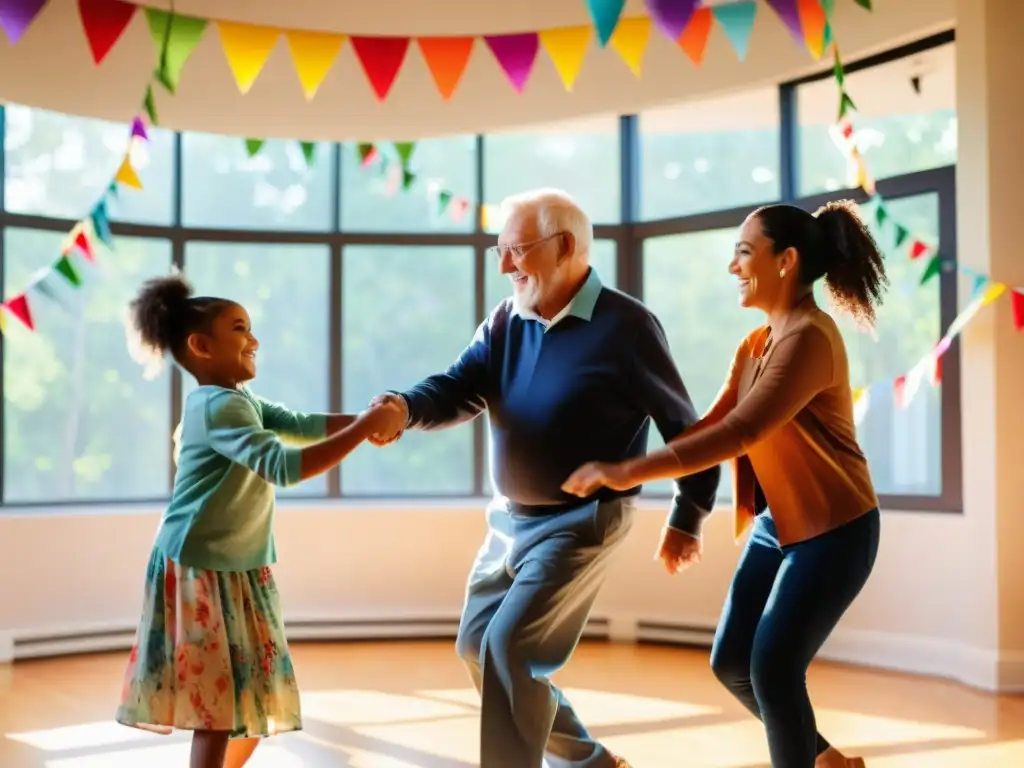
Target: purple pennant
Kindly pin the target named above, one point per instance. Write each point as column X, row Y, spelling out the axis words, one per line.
column 789, row 12
column 17, row 15
column 516, row 55
column 671, row 16
column 139, row 129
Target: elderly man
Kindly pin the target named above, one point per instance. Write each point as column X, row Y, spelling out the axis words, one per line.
column 569, row 371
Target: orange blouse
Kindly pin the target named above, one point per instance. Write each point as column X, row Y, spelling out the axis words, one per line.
column 785, row 413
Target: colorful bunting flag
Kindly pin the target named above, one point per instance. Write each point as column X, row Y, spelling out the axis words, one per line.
column 367, row 153
column 446, row 58
column 313, row 55
column 66, row 269
column 630, row 41
column 671, row 16
column 737, row 21
column 865, row 4
column 149, row 104
column 101, row 223
column 104, row 22
column 515, row 55
column 933, row 268
column 308, row 151
column 253, row 146
column 81, row 242
column 813, row 23
column 405, row 150
column 381, row 58
column 247, row 48
column 902, row 233
column 918, row 249
column 18, row 306
column 694, row 38
column 139, row 129
column 605, row 14
column 790, row 15
column 444, row 197
column 17, row 15
column 176, row 37
column 127, row 175
column 1018, row 309
column 567, row 46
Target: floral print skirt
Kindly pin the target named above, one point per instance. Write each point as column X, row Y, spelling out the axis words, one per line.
column 210, row 654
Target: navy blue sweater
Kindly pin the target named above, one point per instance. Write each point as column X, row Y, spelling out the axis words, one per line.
column 584, row 389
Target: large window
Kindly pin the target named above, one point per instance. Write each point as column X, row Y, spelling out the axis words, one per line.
column 357, row 286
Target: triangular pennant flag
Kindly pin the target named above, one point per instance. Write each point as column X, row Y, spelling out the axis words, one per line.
column 446, row 58
column 828, row 6
column 181, row 35
column 252, row 146
column 671, row 16
column 881, row 214
column 605, row 14
column 899, row 390
column 515, row 55
column 112, row 189
column 408, row 177
column 933, row 268
column 935, row 374
column 828, row 33
column 566, row 46
column 17, row 15
column 790, row 16
column 861, row 403
column 737, row 20
column 980, row 281
column 813, row 22
column 694, row 38
column 313, row 55
column 367, row 153
column 1017, row 298
column 82, row 243
column 443, row 198
column 902, row 233
column 845, row 104
column 381, row 58
column 67, row 269
column 101, row 223
column 405, row 150
column 308, row 151
column 918, row 249
column 149, row 103
column 247, row 48
column 127, row 175
column 837, row 66
column 104, row 22
column 18, row 306
column 630, row 41
column 44, row 282
column 865, row 4
column 458, row 208
column 3, row 319
column 139, row 129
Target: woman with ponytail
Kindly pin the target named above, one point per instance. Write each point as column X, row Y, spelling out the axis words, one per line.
column 784, row 419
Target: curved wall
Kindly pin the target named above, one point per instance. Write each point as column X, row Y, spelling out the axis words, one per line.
column 63, row 78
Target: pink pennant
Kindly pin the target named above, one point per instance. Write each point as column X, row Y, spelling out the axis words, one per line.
column 515, row 55
column 457, row 209
column 139, row 129
column 899, row 387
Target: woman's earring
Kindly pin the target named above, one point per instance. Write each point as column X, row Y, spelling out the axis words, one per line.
column 782, row 272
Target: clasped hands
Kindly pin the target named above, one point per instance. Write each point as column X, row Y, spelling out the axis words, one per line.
column 676, row 550
column 396, row 415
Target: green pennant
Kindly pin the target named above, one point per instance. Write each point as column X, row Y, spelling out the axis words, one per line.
column 408, row 177
column 828, row 6
column 112, row 189
column 365, row 150
column 150, row 105
column 933, row 268
column 405, row 150
column 837, row 68
column 845, row 104
column 865, row 4
column 64, row 267
column 252, row 146
column 175, row 37
column 444, row 197
column 902, row 233
column 308, row 151
column 828, row 36
column 881, row 214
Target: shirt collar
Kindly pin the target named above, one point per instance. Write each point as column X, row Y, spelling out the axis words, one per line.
column 581, row 306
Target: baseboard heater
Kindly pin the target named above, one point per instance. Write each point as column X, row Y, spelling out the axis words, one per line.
column 412, row 628
column 672, row 633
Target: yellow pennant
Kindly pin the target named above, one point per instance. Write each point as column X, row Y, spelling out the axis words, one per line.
column 313, row 55
column 127, row 175
column 630, row 41
column 567, row 46
column 247, row 48
column 3, row 321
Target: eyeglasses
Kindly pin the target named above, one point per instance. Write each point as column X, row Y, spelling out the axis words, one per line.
column 518, row 250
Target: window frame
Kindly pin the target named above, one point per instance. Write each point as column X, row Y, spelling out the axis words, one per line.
column 628, row 235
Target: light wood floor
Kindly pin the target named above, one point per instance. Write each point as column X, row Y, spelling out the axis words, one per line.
column 400, row 705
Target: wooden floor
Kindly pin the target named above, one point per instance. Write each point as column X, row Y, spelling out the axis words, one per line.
column 399, row 705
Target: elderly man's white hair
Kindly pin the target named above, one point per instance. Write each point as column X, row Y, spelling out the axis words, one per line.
column 555, row 212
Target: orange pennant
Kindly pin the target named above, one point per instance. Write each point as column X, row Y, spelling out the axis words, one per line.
column 694, row 38
column 446, row 58
column 812, row 21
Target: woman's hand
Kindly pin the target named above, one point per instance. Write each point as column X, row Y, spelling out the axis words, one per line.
column 597, row 474
column 678, row 550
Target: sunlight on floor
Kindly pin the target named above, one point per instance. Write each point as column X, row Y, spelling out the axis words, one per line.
column 443, row 725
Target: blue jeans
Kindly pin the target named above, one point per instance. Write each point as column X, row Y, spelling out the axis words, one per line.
column 527, row 601
column 782, row 605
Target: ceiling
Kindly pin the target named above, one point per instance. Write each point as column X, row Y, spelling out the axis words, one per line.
column 51, row 68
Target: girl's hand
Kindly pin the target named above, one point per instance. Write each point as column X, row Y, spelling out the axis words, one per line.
column 678, row 550
column 597, row 474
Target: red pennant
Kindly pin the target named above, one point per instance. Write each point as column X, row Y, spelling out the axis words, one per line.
column 1018, row 309
column 381, row 58
column 104, row 22
column 918, row 249
column 82, row 244
column 899, row 387
column 18, row 306
column 937, row 371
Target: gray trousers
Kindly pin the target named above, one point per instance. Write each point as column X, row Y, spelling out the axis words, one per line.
column 527, row 601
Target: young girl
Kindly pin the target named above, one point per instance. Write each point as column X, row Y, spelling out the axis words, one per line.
column 210, row 655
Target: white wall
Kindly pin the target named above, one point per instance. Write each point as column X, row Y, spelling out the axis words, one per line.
column 65, row 572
